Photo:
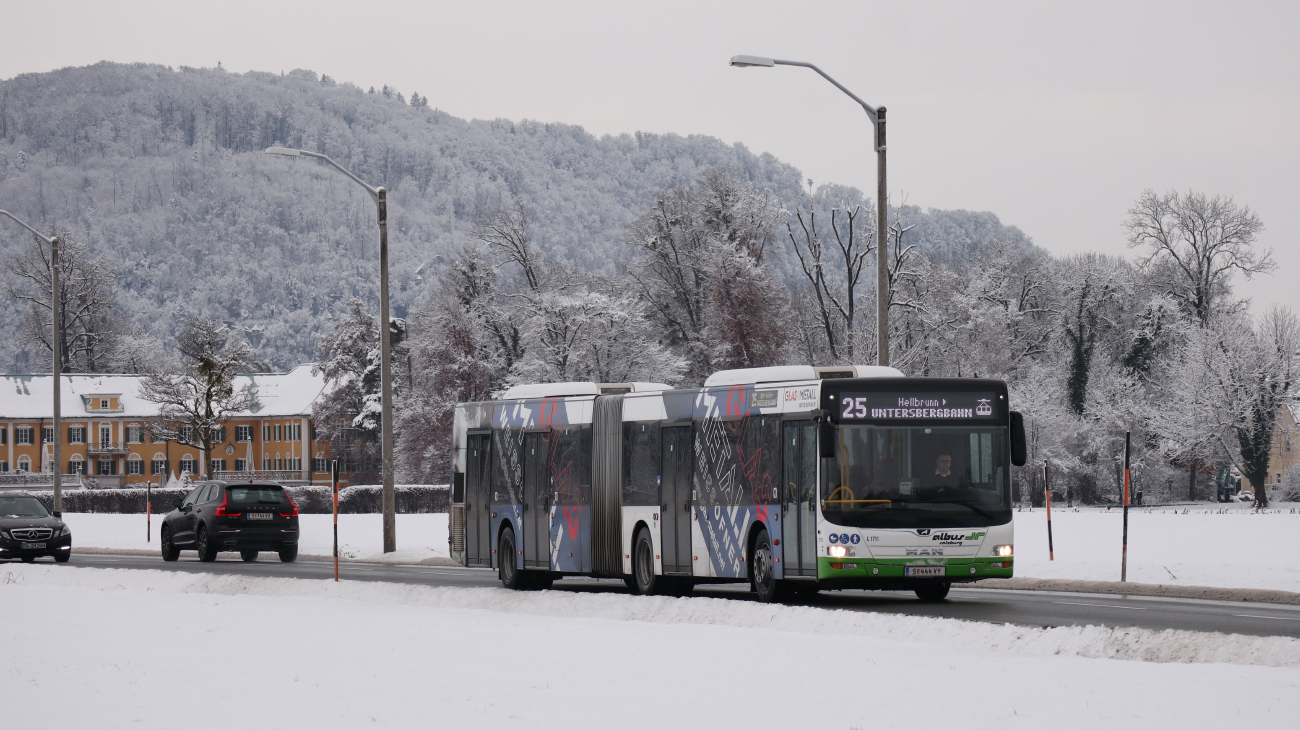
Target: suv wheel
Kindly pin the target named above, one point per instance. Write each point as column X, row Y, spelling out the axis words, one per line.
column 207, row 551
column 169, row 551
column 287, row 554
column 248, row 555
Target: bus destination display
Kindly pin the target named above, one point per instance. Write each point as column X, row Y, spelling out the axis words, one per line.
column 917, row 406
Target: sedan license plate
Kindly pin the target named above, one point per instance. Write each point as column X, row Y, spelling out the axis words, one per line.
column 32, row 546
column 260, row 516
column 925, row 571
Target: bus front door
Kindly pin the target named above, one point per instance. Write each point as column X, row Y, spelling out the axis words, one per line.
column 675, row 512
column 478, row 522
column 537, row 525
column 799, row 509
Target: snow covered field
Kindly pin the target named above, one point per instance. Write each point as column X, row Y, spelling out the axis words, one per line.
column 1228, row 546
column 1236, row 549
column 121, row 648
column 419, row 536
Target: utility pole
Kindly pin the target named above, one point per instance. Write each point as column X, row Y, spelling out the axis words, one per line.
column 56, row 346
column 877, row 117
column 380, row 196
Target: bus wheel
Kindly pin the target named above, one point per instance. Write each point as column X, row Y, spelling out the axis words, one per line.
column 643, row 564
column 506, row 567
column 933, row 592
column 761, row 576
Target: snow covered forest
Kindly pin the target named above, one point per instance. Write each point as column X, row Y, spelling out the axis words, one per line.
column 524, row 251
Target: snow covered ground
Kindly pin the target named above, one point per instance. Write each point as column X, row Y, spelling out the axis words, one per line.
column 120, row 648
column 419, row 536
column 1228, row 546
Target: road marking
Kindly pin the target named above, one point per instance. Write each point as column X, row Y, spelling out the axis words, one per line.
column 1275, row 618
column 1102, row 605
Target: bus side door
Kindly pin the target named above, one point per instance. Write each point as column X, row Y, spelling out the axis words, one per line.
column 478, row 527
column 799, row 505
column 537, row 489
column 675, row 511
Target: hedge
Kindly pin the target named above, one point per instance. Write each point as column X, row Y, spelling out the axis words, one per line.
column 314, row 500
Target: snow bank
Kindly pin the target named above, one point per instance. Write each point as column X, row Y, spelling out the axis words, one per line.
column 351, row 654
column 361, row 537
column 1091, row 641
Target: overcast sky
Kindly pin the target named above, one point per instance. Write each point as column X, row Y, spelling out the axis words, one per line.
column 1054, row 116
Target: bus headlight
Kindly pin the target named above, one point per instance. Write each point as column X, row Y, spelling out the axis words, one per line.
column 1002, row 551
column 839, row 551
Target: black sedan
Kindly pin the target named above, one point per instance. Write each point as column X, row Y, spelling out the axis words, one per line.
column 222, row 516
column 28, row 530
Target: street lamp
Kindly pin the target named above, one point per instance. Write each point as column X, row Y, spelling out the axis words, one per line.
column 56, row 345
column 877, row 117
column 380, row 196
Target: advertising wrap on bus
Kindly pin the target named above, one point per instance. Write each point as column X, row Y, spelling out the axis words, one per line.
column 791, row 484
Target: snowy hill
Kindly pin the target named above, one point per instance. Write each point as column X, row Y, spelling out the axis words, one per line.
column 160, row 171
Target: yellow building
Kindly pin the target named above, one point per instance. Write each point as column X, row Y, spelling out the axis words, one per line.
column 1286, row 443
column 105, row 443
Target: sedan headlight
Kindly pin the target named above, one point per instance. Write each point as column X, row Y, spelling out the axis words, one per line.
column 1002, row 551
column 839, row 551
column 66, row 531
column 4, row 534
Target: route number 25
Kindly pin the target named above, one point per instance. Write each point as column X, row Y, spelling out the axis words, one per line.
column 854, row 408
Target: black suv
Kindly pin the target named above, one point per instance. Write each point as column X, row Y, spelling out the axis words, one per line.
column 243, row 517
column 28, row 530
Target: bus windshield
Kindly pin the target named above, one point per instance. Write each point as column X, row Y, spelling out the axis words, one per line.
column 936, row 476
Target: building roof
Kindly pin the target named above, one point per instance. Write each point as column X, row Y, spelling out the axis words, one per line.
column 32, row 396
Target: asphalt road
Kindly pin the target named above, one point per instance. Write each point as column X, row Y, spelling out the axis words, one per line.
column 1029, row 608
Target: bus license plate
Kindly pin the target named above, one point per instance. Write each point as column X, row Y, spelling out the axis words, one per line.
column 925, row 571
column 260, row 516
column 32, row 546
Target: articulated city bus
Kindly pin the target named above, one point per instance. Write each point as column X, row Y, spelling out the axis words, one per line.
column 793, row 479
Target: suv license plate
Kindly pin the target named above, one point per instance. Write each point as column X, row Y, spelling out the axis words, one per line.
column 32, row 546
column 260, row 516
column 925, row 571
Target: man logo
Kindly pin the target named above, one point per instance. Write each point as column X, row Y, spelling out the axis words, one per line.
column 923, row 531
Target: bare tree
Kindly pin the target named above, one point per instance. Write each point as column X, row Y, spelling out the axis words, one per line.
column 680, row 244
column 85, row 336
column 506, row 232
column 1234, row 377
column 1193, row 243
column 836, row 292
column 193, row 404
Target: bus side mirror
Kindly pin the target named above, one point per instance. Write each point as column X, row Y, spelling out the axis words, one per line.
column 826, row 439
column 1018, row 454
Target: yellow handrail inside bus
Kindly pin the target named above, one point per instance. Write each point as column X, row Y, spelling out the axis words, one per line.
column 859, row 501
column 852, row 498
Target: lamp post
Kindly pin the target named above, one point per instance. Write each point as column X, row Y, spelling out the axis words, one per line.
column 56, row 346
column 380, row 196
column 877, row 117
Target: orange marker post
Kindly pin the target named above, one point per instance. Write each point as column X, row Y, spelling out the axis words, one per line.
column 334, row 479
column 1123, row 567
column 1047, row 490
column 148, row 511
